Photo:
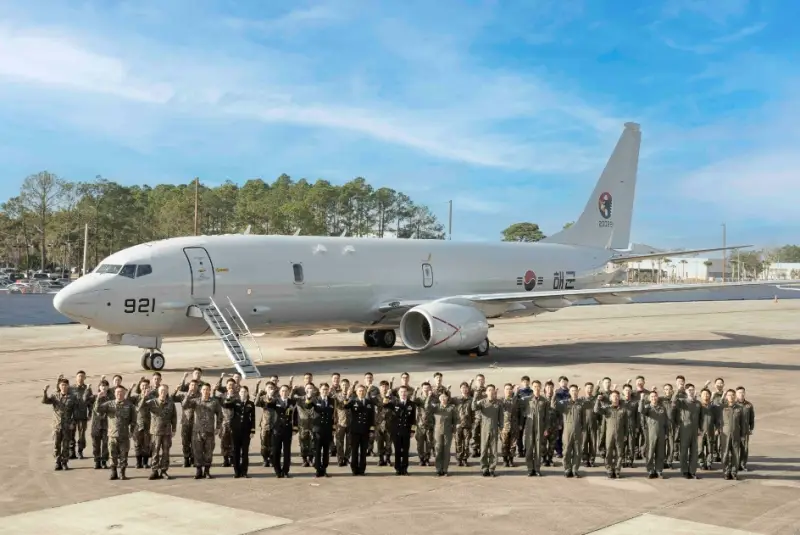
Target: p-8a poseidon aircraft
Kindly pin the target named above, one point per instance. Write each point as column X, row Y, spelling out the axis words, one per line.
column 435, row 293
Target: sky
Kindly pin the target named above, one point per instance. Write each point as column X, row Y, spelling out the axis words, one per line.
column 508, row 108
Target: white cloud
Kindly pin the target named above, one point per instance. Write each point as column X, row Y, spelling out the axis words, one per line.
column 481, row 206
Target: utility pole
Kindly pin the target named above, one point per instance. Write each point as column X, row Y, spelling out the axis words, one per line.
column 724, row 252
column 739, row 264
column 196, row 197
column 450, row 222
column 85, row 247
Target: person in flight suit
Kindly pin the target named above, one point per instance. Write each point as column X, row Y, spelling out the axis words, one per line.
column 708, row 429
column 243, row 428
column 603, row 387
column 64, row 407
column 687, row 409
column 656, row 417
column 362, row 428
column 732, row 423
column 591, row 425
column 561, row 394
column 750, row 424
column 324, row 407
column 616, row 422
column 405, row 425
column 718, row 398
column 445, row 418
column 571, row 411
column 673, row 439
column 489, row 411
column 552, row 426
column 282, row 432
column 631, row 406
column 536, row 409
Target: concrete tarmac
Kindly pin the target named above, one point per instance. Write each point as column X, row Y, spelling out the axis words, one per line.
column 755, row 344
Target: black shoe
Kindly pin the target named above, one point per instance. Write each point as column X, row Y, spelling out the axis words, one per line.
column 652, row 475
column 153, row 475
column 569, row 474
column 207, row 473
column 237, row 476
column 610, row 475
column 97, row 465
column 114, row 475
column 64, row 465
column 485, row 473
column 728, row 475
column 186, row 462
column 198, row 474
column 80, row 454
column 138, row 461
column 58, row 465
column 146, row 461
column 164, row 475
column 104, row 463
column 687, row 475
column 617, row 475
column 122, row 475
column 72, row 455
column 226, row 462
column 531, row 473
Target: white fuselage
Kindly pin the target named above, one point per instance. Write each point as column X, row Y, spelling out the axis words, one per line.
column 304, row 284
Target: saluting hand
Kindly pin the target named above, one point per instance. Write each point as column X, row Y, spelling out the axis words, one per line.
column 46, row 388
column 614, row 387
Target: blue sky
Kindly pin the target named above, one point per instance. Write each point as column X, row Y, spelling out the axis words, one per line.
column 510, row 108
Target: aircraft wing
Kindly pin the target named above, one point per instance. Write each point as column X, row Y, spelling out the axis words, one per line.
column 605, row 295
column 662, row 254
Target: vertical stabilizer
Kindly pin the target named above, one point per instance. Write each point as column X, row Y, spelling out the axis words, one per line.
column 606, row 220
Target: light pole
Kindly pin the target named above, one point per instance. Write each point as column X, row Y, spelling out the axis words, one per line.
column 724, row 252
column 450, row 221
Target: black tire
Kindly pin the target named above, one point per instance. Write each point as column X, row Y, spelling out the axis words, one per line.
column 157, row 362
column 387, row 339
column 483, row 349
column 146, row 361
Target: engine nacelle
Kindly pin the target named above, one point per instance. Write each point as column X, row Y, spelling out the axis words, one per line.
column 443, row 325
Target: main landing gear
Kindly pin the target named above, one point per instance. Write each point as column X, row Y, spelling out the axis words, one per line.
column 481, row 351
column 153, row 359
column 380, row 338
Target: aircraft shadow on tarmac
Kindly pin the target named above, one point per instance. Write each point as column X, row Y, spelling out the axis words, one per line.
column 633, row 353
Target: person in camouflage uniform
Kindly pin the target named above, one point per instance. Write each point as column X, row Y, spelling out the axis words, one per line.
column 383, row 425
column 231, row 391
column 341, row 430
column 263, row 397
column 551, row 426
column 163, row 424
column 187, row 391
column 141, row 437
column 478, row 392
column 508, row 425
column 207, row 424
column 305, row 420
column 99, row 430
column 121, row 416
column 424, row 434
column 64, row 406
column 83, row 412
column 464, row 427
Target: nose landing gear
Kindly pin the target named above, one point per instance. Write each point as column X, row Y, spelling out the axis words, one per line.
column 153, row 359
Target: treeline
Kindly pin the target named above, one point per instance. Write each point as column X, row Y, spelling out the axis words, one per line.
column 44, row 224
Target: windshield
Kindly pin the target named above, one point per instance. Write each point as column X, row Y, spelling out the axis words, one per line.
column 113, row 269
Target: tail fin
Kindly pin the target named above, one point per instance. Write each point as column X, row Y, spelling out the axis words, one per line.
column 606, row 220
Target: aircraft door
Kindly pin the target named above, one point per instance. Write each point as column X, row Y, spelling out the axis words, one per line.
column 427, row 275
column 202, row 272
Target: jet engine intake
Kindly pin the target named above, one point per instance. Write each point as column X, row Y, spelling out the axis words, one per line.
column 443, row 325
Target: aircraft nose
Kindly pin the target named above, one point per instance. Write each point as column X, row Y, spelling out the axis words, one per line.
column 76, row 305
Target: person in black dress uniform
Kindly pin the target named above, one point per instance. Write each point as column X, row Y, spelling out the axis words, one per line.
column 362, row 427
column 322, row 428
column 405, row 424
column 243, row 427
column 282, row 432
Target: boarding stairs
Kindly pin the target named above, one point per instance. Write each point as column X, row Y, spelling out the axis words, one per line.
column 230, row 336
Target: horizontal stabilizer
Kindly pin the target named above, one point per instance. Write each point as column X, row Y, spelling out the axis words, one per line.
column 664, row 254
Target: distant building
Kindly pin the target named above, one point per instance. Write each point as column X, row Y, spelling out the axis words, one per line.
column 782, row 271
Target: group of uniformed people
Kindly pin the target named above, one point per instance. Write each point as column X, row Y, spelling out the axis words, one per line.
column 539, row 422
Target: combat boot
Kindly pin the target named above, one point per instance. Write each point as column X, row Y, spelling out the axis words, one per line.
column 58, row 465
column 138, row 461
column 207, row 472
column 97, row 465
column 114, row 475
column 165, row 475
column 122, row 474
column 72, row 454
column 305, row 462
column 80, row 454
column 186, row 462
column 145, row 461
column 153, row 475
column 64, row 465
column 226, row 462
column 198, row 474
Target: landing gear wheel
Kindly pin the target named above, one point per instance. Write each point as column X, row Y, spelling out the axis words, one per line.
column 146, row 360
column 386, row 339
column 157, row 361
column 480, row 351
column 370, row 339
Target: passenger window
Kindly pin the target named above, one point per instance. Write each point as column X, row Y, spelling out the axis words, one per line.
column 298, row 273
column 128, row 270
column 143, row 269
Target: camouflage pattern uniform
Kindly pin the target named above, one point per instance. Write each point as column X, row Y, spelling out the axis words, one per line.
column 187, row 421
column 384, row 421
column 342, row 429
column 64, row 406
column 732, row 423
column 267, row 423
column 121, row 423
column 141, row 436
column 489, row 413
column 551, row 433
column 83, row 412
column 616, row 432
column 163, row 422
column 424, row 434
column 99, row 432
column 508, row 428
column 478, row 393
column 225, row 438
column 207, row 423
column 305, row 436
column 709, row 423
column 572, row 417
column 464, row 428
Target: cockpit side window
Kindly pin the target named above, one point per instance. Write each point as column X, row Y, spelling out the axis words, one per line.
column 111, row 269
column 128, row 270
column 143, row 269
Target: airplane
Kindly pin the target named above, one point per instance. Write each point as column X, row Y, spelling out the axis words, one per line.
column 435, row 294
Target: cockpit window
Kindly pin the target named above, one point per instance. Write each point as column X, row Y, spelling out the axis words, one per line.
column 143, row 269
column 112, row 269
column 128, row 270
